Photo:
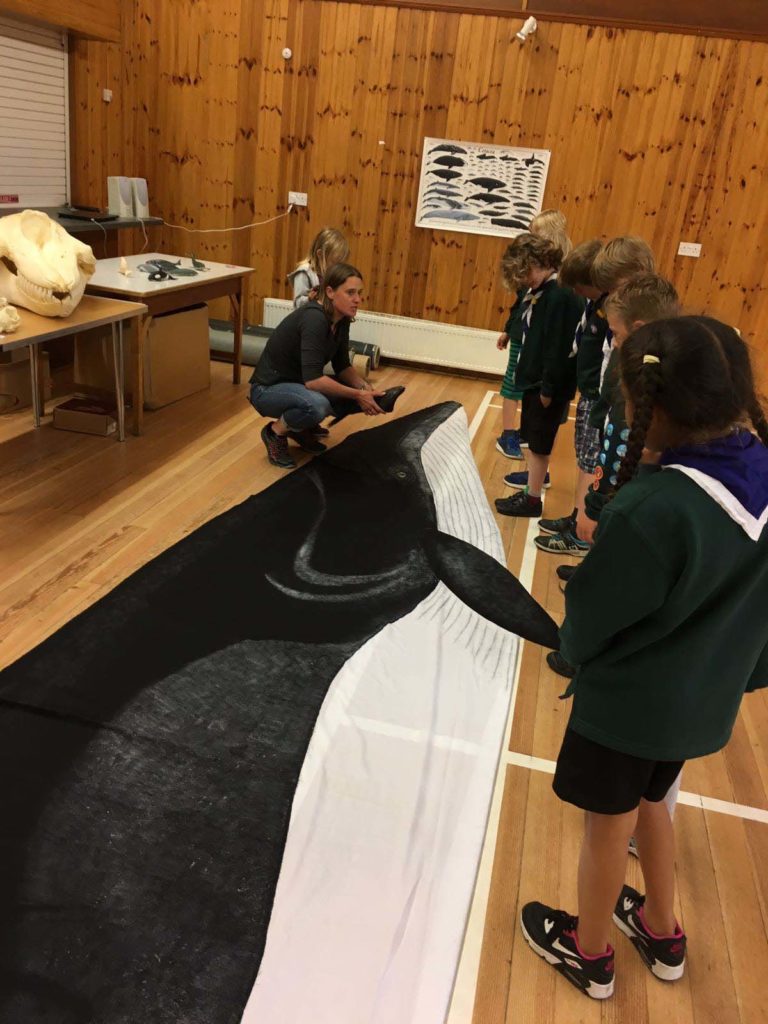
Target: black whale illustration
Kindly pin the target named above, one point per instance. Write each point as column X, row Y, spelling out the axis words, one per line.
column 150, row 748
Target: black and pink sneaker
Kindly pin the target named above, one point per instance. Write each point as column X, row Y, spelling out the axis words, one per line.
column 277, row 448
column 664, row 955
column 552, row 934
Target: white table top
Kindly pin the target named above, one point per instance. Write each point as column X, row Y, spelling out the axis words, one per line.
column 108, row 278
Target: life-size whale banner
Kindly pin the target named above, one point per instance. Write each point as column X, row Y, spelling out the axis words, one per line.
column 251, row 784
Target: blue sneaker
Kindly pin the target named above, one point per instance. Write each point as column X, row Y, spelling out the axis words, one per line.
column 509, row 445
column 520, row 480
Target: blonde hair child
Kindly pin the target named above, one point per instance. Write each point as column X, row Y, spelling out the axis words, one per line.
column 328, row 247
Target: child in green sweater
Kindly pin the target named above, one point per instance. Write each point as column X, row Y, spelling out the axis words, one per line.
column 680, row 560
column 545, row 374
column 549, row 224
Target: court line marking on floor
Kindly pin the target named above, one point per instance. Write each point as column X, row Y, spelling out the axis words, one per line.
column 705, row 803
column 465, row 985
column 477, row 419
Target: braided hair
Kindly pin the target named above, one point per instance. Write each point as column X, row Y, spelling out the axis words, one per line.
column 697, row 371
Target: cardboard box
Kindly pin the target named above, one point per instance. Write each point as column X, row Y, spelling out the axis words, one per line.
column 86, row 416
column 16, row 383
column 177, row 359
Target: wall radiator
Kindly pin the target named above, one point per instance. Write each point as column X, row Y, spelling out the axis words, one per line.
column 417, row 341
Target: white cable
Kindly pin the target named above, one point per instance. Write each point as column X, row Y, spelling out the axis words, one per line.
column 100, row 225
column 210, row 231
column 144, row 232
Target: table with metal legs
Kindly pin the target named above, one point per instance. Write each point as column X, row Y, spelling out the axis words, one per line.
column 92, row 312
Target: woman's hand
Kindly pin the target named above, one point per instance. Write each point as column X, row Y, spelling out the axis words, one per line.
column 367, row 402
column 502, row 341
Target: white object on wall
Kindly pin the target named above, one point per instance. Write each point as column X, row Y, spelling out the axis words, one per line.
column 689, row 249
column 120, row 196
column 34, row 114
column 479, row 188
column 417, row 341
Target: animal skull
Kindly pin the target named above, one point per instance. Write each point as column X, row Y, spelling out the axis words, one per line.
column 42, row 267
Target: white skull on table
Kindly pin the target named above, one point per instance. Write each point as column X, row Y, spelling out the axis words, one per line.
column 42, row 267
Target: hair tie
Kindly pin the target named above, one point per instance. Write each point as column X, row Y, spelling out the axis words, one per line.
column 650, row 359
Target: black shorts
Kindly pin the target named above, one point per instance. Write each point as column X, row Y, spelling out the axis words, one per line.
column 539, row 426
column 606, row 781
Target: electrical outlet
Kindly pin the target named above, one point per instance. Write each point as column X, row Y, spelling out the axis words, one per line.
column 297, row 198
column 689, row 249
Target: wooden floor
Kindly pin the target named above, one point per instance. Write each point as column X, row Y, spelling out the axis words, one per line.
column 78, row 514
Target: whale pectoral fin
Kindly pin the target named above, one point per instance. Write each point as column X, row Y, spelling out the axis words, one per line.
column 488, row 588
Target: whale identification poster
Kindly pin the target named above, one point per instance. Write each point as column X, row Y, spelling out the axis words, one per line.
column 482, row 189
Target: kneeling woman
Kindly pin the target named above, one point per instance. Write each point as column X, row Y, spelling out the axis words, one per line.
column 290, row 383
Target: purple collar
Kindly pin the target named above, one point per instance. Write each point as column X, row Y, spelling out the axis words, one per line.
column 739, row 462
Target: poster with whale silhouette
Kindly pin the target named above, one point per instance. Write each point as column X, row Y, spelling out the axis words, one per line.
column 250, row 785
column 479, row 188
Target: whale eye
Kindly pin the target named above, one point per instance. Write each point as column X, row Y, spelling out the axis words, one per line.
column 401, row 473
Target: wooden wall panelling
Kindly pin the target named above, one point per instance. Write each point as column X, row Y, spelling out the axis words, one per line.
column 269, row 192
column 96, row 19
column 96, row 127
column 651, row 133
column 739, row 17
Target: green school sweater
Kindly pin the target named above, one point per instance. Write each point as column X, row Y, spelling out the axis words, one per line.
column 545, row 364
column 589, row 357
column 667, row 621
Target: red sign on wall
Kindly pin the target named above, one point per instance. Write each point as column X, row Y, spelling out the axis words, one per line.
column 9, row 200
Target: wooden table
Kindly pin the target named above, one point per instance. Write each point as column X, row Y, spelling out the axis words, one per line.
column 219, row 280
column 91, row 312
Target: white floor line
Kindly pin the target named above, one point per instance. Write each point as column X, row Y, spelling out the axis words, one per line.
column 465, row 987
column 474, row 426
column 706, row 803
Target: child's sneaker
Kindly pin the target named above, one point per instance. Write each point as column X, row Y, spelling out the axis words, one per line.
column 509, row 444
column 562, row 544
column 565, row 572
column 565, row 524
column 521, row 505
column 552, row 934
column 663, row 954
column 520, row 480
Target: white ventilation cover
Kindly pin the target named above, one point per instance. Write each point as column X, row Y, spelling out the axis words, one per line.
column 34, row 116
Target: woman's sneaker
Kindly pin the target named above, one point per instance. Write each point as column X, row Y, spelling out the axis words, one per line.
column 663, row 954
column 520, row 480
column 277, row 448
column 309, row 440
column 562, row 544
column 509, row 444
column 565, row 524
column 552, row 934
